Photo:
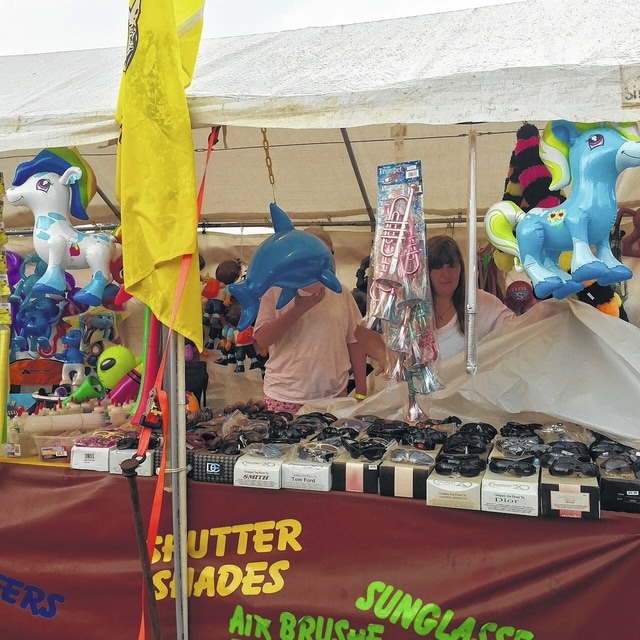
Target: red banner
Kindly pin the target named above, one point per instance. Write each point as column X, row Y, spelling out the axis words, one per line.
column 306, row 565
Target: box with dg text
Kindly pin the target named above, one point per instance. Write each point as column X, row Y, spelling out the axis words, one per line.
column 258, row 471
column 90, row 458
column 569, row 497
column 310, row 476
column 507, row 493
column 209, row 466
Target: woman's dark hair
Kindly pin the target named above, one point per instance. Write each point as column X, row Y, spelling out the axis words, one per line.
column 441, row 251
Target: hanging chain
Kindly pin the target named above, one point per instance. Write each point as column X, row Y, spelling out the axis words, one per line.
column 267, row 159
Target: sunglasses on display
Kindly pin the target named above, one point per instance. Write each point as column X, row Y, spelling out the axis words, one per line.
column 468, row 467
column 412, row 457
column 484, row 429
column 464, row 444
column 519, row 429
column 424, row 438
column 370, row 448
column 621, row 464
column 520, row 447
column 518, row 468
column 605, row 448
column 571, row 465
column 318, row 452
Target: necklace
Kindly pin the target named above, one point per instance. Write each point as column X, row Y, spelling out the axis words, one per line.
column 441, row 316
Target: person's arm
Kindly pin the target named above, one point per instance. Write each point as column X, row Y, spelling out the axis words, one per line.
column 373, row 345
column 358, row 357
column 273, row 330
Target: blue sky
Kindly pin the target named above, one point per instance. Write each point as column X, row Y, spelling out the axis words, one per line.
column 37, row 26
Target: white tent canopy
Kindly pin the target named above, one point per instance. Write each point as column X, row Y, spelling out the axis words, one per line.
column 338, row 101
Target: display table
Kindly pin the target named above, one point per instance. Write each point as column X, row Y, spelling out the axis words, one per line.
column 296, row 564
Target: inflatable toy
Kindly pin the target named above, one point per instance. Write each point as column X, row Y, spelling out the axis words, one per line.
column 73, row 357
column 113, row 365
column 53, row 185
column 590, row 157
column 291, row 260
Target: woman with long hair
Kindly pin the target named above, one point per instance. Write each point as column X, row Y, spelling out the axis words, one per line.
column 448, row 288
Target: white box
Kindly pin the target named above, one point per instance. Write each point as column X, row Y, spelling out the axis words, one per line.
column 454, row 493
column 506, row 493
column 90, row 458
column 257, row 471
column 311, row 476
column 146, row 467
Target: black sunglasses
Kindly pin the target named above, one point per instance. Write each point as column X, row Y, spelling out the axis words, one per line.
column 621, row 464
column 464, row 443
column 483, row 429
column 571, row 465
column 469, row 467
column 518, row 468
column 412, row 457
column 519, row 429
column 424, row 438
column 370, row 448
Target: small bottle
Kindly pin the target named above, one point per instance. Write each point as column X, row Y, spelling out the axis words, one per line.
column 13, row 441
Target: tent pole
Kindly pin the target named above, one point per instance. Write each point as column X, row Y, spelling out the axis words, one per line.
column 178, row 463
column 356, row 171
column 472, row 260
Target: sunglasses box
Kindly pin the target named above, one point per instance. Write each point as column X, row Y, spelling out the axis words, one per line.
column 619, row 492
column 354, row 474
column 509, row 493
column 454, row 492
column 90, row 458
column 307, row 475
column 208, row 466
column 569, row 497
column 117, row 456
column 405, row 479
column 55, row 448
column 257, row 471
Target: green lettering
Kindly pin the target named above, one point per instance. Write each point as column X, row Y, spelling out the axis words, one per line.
column 502, row 632
column 287, row 626
column 365, row 603
column 487, row 626
column 373, row 630
column 383, row 611
column 306, row 625
column 341, row 626
column 441, row 631
column 523, row 634
column 465, row 630
column 406, row 611
column 427, row 619
column 236, row 623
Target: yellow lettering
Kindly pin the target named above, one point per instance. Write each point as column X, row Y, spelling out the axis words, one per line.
column 205, row 583
column 289, row 530
column 229, row 579
column 221, row 534
column 275, row 573
column 263, row 536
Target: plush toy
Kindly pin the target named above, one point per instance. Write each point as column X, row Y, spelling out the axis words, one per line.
column 603, row 298
column 218, row 297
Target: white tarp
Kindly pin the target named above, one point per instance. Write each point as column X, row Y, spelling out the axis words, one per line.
column 561, row 361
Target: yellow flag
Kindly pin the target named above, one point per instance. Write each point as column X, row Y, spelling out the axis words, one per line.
column 155, row 175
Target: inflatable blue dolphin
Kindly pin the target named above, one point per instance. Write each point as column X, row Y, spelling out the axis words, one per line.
column 289, row 259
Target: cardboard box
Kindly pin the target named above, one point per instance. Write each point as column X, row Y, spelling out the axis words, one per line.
column 354, row 474
column 90, row 458
column 55, row 448
column 620, row 492
column 258, row 471
column 213, row 467
column 146, row 467
column 405, row 479
column 303, row 474
column 508, row 493
column 454, row 493
column 569, row 497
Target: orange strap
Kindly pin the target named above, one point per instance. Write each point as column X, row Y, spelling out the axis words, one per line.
column 159, row 395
